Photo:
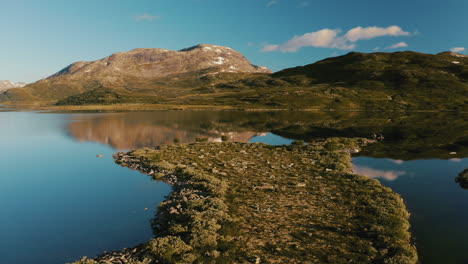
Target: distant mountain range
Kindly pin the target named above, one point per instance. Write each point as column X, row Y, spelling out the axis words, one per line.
column 220, row 76
column 5, row 84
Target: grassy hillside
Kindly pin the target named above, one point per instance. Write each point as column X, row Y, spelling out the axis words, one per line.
column 375, row 81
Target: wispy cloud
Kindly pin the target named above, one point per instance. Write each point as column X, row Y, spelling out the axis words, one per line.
column 146, row 17
column 325, row 38
column 303, row 4
column 331, row 38
column 398, row 45
column 389, row 175
column 457, row 49
column 272, row 2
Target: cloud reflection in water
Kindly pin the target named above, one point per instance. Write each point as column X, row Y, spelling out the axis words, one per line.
column 389, row 175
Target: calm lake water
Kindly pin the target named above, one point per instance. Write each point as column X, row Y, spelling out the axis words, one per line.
column 438, row 206
column 59, row 201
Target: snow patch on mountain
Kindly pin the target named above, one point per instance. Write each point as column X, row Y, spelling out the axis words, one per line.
column 5, row 84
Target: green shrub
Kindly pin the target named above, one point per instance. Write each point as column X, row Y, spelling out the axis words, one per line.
column 298, row 142
column 339, row 167
column 177, row 229
column 158, row 176
column 147, row 155
column 163, row 165
column 332, row 146
column 168, row 249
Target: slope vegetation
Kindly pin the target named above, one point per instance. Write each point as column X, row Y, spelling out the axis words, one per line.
column 218, row 76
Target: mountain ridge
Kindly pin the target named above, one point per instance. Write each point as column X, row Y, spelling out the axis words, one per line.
column 404, row 80
column 122, row 68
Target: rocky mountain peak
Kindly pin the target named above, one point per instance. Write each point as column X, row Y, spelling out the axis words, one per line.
column 5, row 84
column 155, row 63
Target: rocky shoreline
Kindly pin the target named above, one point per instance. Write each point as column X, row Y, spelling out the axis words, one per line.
column 255, row 203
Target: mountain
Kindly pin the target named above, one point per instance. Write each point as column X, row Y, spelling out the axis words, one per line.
column 212, row 75
column 399, row 70
column 4, row 85
column 137, row 71
column 379, row 81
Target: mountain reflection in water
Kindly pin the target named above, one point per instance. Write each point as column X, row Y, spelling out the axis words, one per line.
column 406, row 137
column 136, row 130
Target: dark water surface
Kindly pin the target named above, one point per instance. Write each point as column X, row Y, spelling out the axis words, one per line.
column 59, row 202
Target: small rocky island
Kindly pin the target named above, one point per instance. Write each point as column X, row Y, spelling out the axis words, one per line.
column 462, row 179
column 256, row 203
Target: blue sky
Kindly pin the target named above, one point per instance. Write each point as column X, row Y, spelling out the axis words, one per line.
column 41, row 37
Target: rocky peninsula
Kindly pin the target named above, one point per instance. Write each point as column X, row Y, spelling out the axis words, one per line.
column 256, row 203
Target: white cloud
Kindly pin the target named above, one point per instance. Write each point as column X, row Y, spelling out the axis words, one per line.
column 330, row 38
column 457, row 49
column 272, row 2
column 303, row 4
column 359, row 33
column 146, row 17
column 389, row 175
column 325, row 38
column 397, row 45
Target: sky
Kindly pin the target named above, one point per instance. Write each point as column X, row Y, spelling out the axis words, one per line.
column 38, row 38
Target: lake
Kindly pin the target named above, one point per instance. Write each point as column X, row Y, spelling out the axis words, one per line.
column 59, row 201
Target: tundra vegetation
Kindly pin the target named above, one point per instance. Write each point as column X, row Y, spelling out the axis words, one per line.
column 400, row 81
column 256, row 203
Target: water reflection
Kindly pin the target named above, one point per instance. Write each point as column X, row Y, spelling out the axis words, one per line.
column 389, row 175
column 136, row 130
column 406, row 137
column 4, row 108
column 59, row 202
column 396, row 161
column 438, row 206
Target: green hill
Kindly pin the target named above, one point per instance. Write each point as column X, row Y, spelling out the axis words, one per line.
column 365, row 81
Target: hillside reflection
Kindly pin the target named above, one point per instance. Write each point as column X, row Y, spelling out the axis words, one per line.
column 135, row 130
column 406, row 137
